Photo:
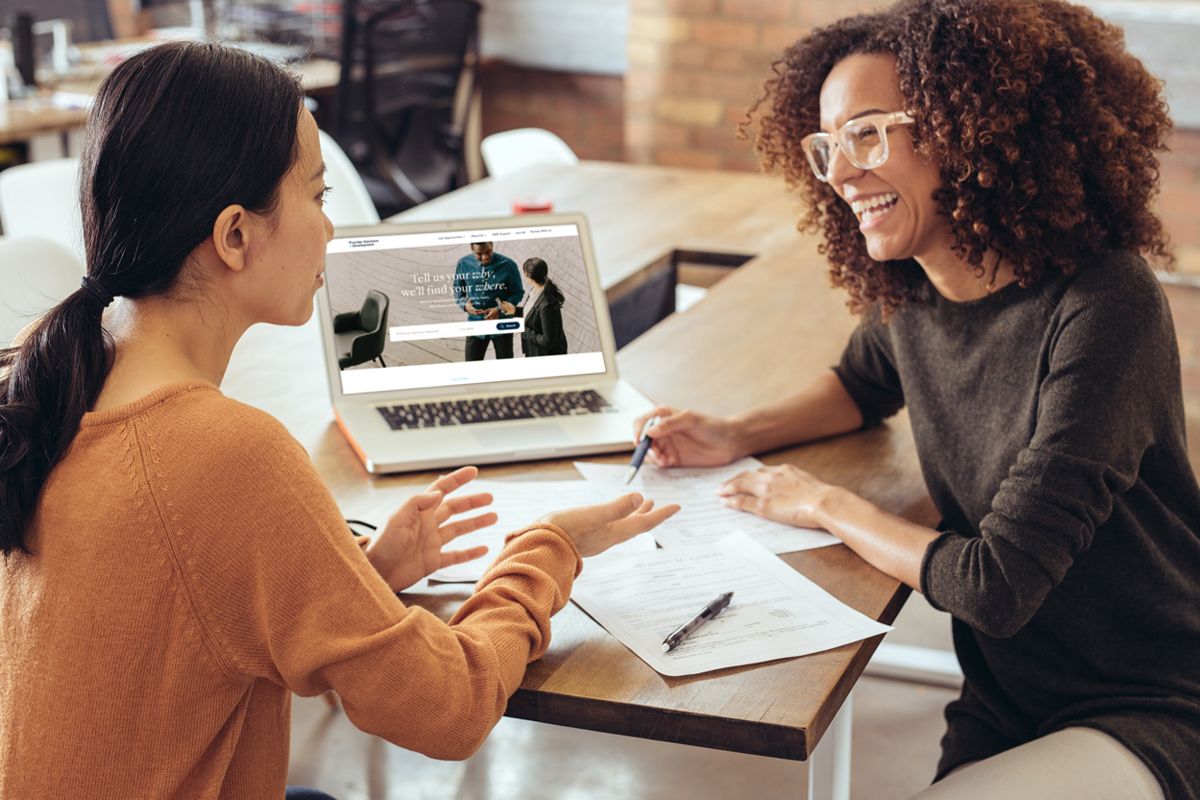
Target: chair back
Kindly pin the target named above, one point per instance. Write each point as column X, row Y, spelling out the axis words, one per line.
column 349, row 203
column 37, row 274
column 374, row 311
column 373, row 318
column 42, row 199
column 512, row 151
column 408, row 71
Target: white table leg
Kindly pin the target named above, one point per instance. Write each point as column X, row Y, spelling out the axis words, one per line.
column 829, row 764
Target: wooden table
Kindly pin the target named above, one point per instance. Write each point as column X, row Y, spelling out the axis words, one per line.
column 21, row 120
column 760, row 333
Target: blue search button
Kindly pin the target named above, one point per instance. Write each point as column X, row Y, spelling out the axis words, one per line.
column 507, row 326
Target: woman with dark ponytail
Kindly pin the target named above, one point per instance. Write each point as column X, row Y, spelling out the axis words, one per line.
column 543, row 334
column 173, row 567
column 145, row 209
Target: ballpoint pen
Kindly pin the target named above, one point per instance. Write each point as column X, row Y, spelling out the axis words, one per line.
column 688, row 628
column 639, row 452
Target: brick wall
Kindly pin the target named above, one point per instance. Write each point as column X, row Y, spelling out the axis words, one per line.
column 586, row 111
column 695, row 66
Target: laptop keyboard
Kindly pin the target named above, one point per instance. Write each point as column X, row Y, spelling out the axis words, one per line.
column 494, row 409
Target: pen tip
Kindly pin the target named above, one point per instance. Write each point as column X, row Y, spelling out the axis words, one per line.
column 666, row 648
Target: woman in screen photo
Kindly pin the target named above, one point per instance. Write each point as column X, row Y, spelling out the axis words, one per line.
column 543, row 334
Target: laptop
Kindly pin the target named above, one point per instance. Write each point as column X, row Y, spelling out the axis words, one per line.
column 431, row 362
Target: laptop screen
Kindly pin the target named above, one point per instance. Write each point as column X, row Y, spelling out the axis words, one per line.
column 423, row 310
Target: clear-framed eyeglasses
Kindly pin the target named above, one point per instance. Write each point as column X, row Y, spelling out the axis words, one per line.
column 863, row 141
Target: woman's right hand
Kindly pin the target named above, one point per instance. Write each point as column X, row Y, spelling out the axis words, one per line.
column 685, row 438
column 596, row 528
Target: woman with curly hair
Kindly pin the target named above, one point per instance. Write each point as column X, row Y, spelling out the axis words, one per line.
column 982, row 172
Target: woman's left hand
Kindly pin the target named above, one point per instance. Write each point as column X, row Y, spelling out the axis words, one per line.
column 785, row 494
column 506, row 308
column 409, row 547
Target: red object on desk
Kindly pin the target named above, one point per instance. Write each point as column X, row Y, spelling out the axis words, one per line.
column 532, row 206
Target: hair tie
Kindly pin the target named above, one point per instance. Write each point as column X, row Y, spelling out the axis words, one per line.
column 96, row 290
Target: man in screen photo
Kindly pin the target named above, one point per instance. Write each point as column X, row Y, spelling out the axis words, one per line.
column 487, row 285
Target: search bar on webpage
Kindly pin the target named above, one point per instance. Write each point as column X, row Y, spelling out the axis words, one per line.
column 449, row 330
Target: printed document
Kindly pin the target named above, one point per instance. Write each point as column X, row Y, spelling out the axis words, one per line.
column 776, row 612
column 703, row 518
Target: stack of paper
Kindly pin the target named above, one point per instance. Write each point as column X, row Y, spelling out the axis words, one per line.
column 703, row 518
column 776, row 612
column 640, row 594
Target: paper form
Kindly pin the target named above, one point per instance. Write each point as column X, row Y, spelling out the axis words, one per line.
column 703, row 518
column 776, row 612
column 518, row 504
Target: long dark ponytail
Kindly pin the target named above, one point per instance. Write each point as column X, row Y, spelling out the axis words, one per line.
column 537, row 269
column 177, row 133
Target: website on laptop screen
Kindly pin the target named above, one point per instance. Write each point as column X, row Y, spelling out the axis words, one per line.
column 424, row 310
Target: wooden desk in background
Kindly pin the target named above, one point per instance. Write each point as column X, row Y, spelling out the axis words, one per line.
column 21, row 120
column 760, row 333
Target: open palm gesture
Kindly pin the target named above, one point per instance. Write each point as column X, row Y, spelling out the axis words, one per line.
column 409, row 546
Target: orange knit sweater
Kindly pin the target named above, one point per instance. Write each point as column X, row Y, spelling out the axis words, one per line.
column 189, row 571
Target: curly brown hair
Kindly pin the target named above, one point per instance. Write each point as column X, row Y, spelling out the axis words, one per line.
column 1045, row 130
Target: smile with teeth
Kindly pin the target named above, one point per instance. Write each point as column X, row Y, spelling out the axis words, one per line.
column 875, row 206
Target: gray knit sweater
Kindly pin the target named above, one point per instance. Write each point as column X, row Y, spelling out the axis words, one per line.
column 1050, row 430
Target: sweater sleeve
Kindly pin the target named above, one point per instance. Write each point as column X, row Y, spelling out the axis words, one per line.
column 283, row 592
column 1110, row 369
column 867, row 371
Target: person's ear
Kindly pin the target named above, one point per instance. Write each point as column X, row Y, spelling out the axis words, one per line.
column 231, row 237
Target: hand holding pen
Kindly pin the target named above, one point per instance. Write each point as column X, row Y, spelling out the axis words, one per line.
column 673, row 640
column 686, row 438
column 639, row 452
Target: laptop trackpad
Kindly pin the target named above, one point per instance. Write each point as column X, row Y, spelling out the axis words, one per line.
column 522, row 437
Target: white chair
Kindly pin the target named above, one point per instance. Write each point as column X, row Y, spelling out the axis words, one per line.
column 511, row 151
column 348, row 203
column 37, row 274
column 42, row 199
